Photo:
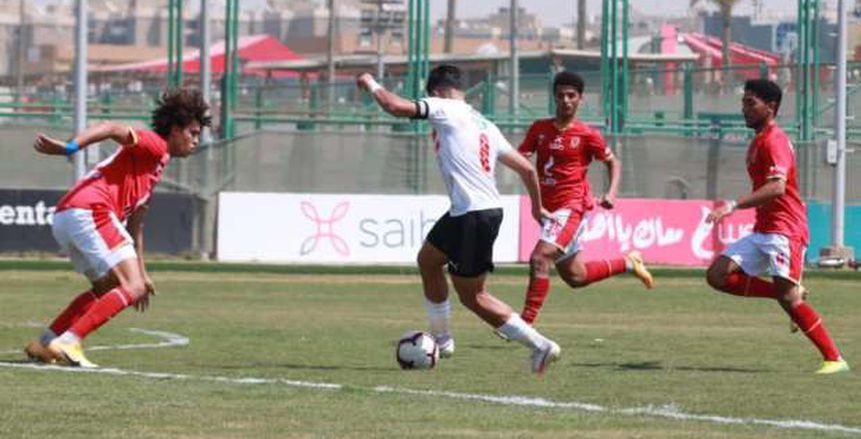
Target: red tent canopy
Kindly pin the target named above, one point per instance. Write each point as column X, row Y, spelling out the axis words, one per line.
column 741, row 54
column 251, row 48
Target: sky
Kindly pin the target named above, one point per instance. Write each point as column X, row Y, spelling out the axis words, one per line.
column 557, row 12
column 549, row 12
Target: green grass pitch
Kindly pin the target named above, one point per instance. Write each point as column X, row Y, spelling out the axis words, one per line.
column 679, row 361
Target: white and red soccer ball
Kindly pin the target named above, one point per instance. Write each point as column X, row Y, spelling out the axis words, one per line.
column 417, row 350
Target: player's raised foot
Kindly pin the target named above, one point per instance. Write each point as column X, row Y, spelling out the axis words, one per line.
column 446, row 347
column 638, row 267
column 72, row 353
column 37, row 352
column 829, row 367
column 543, row 356
column 793, row 327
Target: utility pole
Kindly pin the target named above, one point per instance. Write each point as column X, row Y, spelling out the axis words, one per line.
column 514, row 101
column 19, row 64
column 837, row 249
column 449, row 26
column 330, row 57
column 80, row 81
column 205, row 67
column 206, row 211
column 581, row 24
column 378, row 17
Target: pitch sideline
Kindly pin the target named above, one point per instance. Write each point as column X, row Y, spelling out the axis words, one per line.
column 666, row 411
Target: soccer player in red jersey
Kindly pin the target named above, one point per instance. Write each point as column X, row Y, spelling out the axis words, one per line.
column 99, row 221
column 565, row 147
column 780, row 235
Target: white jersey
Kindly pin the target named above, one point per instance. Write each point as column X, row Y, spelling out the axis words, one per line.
column 467, row 147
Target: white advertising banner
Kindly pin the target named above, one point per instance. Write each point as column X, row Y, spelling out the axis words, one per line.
column 332, row 228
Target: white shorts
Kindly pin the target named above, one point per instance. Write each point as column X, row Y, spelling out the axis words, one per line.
column 768, row 253
column 95, row 240
column 564, row 229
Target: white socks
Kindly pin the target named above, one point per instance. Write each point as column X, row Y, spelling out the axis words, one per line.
column 69, row 337
column 439, row 317
column 516, row 329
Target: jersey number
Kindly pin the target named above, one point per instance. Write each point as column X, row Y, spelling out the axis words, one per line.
column 484, row 152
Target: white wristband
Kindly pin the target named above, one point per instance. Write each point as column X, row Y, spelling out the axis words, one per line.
column 373, row 86
column 731, row 204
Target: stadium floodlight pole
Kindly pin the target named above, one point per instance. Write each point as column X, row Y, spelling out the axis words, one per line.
column 840, row 130
column 514, row 100
column 80, row 81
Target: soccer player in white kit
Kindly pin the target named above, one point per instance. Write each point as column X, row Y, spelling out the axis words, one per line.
column 467, row 147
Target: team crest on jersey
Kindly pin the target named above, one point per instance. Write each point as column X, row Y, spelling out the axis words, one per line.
column 574, row 143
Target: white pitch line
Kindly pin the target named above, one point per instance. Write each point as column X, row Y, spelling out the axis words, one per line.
column 169, row 340
column 668, row 412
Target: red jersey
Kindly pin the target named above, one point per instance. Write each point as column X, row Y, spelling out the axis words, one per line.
column 769, row 156
column 563, row 160
column 124, row 181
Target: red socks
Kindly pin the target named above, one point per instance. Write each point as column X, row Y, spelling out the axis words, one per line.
column 102, row 310
column 803, row 315
column 808, row 321
column 78, row 307
column 535, row 295
column 599, row 270
column 539, row 287
column 740, row 284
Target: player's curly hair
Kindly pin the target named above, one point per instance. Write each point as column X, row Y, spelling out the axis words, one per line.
column 179, row 107
column 570, row 79
column 765, row 89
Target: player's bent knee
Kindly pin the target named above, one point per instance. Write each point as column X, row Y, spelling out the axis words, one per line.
column 540, row 264
column 573, row 277
column 104, row 285
column 135, row 287
column 575, row 280
column 715, row 277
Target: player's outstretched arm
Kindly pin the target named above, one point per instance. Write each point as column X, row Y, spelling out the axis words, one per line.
column 765, row 194
column 121, row 134
column 523, row 167
column 388, row 101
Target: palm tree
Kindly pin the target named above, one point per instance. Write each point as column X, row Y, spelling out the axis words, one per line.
column 725, row 7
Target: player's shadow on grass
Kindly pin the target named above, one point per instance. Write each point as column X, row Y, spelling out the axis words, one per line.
column 656, row 365
column 295, row 366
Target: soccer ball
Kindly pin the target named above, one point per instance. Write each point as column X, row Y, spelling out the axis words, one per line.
column 417, row 350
